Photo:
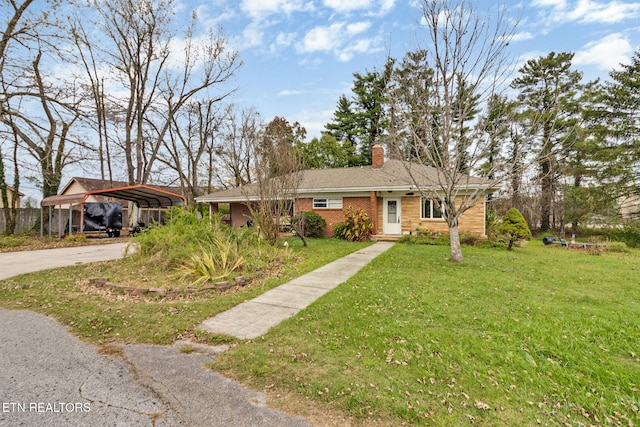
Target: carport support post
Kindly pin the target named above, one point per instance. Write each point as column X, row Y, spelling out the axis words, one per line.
column 50, row 219
column 59, row 220
column 70, row 217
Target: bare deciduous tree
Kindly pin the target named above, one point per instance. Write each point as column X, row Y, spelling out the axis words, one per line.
column 278, row 171
column 38, row 109
column 190, row 139
column 466, row 54
column 234, row 147
column 158, row 73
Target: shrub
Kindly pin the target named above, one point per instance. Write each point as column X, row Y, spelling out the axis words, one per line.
column 357, row 225
column 514, row 227
column 202, row 250
column 617, row 247
column 176, row 241
column 338, row 229
column 628, row 233
column 12, row 241
column 312, row 224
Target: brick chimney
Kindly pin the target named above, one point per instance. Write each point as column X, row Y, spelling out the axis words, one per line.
column 377, row 157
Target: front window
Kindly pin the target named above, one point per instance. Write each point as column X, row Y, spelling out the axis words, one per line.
column 329, row 203
column 431, row 208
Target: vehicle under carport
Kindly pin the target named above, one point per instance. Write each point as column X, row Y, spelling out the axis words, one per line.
column 143, row 196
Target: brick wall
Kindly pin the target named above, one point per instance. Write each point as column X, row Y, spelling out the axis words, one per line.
column 332, row 216
column 472, row 221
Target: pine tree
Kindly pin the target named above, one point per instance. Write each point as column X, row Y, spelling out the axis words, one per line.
column 514, row 227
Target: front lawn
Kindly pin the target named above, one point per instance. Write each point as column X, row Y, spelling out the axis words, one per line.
column 538, row 336
column 100, row 318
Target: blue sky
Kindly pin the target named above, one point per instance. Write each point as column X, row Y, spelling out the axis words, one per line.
column 300, row 55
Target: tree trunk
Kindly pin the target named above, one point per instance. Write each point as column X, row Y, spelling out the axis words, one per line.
column 454, row 240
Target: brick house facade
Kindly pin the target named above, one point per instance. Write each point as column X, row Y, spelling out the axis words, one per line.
column 386, row 191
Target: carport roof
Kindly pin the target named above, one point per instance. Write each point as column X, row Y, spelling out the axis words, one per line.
column 142, row 195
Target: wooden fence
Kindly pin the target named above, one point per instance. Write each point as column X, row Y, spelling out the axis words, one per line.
column 26, row 220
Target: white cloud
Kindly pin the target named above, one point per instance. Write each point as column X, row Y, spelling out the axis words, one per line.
column 525, row 35
column 283, row 40
column 556, row 4
column 360, row 46
column 588, row 11
column 358, row 27
column 252, row 35
column 606, row 54
column 344, row 6
column 372, row 7
column 337, row 38
column 291, row 92
column 322, row 38
column 261, row 8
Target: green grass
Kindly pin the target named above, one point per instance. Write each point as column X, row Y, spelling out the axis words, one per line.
column 99, row 320
column 538, row 336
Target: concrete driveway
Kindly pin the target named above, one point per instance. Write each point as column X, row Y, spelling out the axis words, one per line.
column 14, row 263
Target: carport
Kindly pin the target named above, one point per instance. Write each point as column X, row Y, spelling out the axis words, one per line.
column 143, row 196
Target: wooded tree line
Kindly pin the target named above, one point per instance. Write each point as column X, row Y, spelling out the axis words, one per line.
column 563, row 149
column 122, row 88
column 119, row 87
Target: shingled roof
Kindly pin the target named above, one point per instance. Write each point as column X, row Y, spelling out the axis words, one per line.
column 93, row 184
column 394, row 175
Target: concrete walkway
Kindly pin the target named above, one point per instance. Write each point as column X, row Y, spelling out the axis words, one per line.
column 14, row 263
column 254, row 318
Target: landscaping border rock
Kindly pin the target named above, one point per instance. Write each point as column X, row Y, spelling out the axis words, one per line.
column 103, row 283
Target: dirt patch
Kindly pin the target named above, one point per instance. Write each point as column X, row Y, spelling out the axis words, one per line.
column 102, row 287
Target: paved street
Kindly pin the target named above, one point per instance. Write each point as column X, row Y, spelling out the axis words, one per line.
column 50, row 378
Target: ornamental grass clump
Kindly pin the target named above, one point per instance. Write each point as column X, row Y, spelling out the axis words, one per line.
column 214, row 263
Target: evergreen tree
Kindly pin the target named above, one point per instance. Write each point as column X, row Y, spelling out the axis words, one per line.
column 326, row 152
column 371, row 120
column 623, row 102
column 548, row 93
column 514, row 227
column 362, row 120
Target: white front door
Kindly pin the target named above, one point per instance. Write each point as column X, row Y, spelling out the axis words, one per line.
column 392, row 220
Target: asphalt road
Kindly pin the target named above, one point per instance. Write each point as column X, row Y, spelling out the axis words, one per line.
column 50, row 378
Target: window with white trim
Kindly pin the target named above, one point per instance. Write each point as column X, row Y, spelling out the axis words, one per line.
column 328, row 203
column 431, row 208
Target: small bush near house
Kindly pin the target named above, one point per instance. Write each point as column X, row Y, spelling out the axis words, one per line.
column 357, row 226
column 338, row 229
column 312, row 224
column 514, row 228
column 423, row 236
column 10, row 242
